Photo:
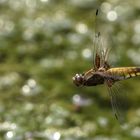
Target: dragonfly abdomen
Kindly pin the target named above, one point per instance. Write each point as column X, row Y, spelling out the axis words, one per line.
column 124, row 72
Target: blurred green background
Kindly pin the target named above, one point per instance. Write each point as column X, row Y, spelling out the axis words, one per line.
column 43, row 44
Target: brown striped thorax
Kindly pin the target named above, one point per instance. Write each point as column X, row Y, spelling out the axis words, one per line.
column 102, row 73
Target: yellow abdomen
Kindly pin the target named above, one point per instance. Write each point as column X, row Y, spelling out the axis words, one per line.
column 124, row 72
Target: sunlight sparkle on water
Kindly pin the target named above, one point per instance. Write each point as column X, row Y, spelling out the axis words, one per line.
column 9, row 134
column 112, row 15
column 53, row 135
column 105, row 7
column 26, row 89
column 56, row 136
column 136, row 132
column 81, row 28
column 44, row 0
column 103, row 121
column 31, row 88
column 81, row 101
column 86, row 53
column 31, row 82
column 31, row 3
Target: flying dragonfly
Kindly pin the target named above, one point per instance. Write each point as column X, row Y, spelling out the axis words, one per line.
column 102, row 73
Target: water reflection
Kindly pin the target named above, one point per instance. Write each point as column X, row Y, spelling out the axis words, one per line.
column 112, row 15
column 9, row 135
column 80, row 100
column 8, row 80
column 42, row 41
column 103, row 121
column 55, row 136
column 136, row 132
column 31, row 88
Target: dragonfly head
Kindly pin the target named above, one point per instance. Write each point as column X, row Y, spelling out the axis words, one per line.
column 78, row 79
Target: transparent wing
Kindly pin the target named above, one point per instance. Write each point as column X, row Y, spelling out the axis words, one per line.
column 118, row 97
column 96, row 44
column 100, row 53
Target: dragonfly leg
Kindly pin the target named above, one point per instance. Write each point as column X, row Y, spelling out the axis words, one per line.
column 109, row 82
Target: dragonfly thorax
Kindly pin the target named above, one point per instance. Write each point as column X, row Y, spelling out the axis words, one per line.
column 89, row 78
column 95, row 78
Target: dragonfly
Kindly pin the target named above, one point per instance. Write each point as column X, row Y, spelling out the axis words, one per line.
column 102, row 73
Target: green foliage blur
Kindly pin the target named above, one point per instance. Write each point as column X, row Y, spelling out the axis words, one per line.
column 43, row 44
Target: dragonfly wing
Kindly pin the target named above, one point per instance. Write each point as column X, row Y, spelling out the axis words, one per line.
column 100, row 53
column 118, row 101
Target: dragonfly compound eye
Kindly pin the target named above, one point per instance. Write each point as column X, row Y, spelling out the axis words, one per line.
column 78, row 80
